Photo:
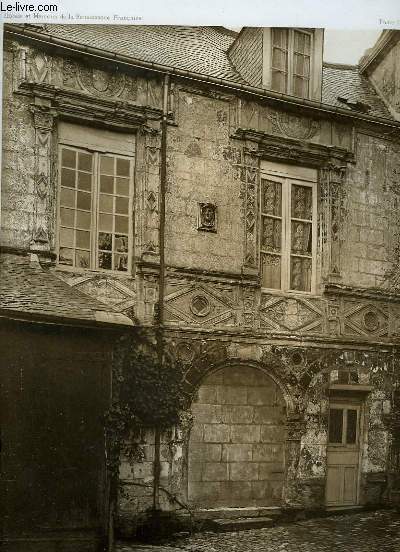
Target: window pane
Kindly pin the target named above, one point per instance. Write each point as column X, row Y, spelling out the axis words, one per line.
column 301, row 202
column 272, row 198
column 67, row 237
column 298, row 64
column 301, row 233
column 83, row 201
column 279, row 81
column 121, row 244
column 121, row 225
column 83, row 220
column 105, row 241
column 271, row 271
column 67, row 198
column 299, row 41
column 106, row 203
column 121, row 262
column 106, row 164
column 83, row 239
column 84, row 181
column 85, row 161
column 105, row 223
column 335, row 425
column 67, row 217
column 105, row 260
column 300, row 273
column 122, row 205
column 82, row 259
column 68, row 178
column 68, row 158
column 271, row 234
column 279, row 59
column 107, row 184
column 66, row 256
column 123, row 167
column 280, row 37
column 122, row 186
column 300, row 87
column 351, row 433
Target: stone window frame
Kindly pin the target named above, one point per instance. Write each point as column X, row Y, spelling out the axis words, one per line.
column 80, row 146
column 288, row 176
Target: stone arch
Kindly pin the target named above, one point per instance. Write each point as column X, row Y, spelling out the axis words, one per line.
column 236, row 455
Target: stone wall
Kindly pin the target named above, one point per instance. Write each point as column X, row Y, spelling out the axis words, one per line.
column 236, row 448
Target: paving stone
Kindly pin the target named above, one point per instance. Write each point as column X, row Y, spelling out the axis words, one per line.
column 361, row 532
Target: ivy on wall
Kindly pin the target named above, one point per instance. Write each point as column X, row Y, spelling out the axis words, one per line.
column 148, row 393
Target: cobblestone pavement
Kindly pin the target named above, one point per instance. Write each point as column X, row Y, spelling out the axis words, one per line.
column 362, row 532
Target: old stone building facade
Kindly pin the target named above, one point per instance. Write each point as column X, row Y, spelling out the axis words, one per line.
column 247, row 193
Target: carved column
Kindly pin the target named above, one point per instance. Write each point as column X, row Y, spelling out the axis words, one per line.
column 43, row 121
column 250, row 175
column 332, row 179
column 295, row 429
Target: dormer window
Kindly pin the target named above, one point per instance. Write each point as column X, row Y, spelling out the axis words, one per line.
column 291, row 61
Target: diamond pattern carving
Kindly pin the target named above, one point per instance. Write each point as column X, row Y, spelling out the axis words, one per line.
column 365, row 319
column 197, row 305
column 108, row 290
column 286, row 314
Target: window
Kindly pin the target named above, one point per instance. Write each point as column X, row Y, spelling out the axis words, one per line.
column 95, row 209
column 288, row 234
column 291, row 61
column 343, row 424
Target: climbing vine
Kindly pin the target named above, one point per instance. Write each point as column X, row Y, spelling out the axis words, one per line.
column 148, row 393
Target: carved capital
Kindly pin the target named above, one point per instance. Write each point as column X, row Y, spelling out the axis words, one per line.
column 43, row 118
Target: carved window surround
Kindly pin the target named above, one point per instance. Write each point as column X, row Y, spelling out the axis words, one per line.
column 290, row 150
column 332, row 164
column 85, row 108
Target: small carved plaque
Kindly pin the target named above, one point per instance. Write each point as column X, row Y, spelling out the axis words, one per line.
column 207, row 217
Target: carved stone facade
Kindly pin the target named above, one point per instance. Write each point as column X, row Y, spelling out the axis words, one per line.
column 217, row 316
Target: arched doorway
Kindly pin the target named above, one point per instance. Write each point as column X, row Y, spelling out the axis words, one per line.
column 236, row 447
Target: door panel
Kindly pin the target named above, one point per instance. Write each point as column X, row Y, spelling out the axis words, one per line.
column 343, row 454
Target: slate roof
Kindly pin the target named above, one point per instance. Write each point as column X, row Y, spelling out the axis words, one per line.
column 204, row 50
column 346, row 81
column 28, row 289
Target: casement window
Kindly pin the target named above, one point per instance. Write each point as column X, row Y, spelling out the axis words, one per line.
column 95, row 209
column 291, row 61
column 288, row 234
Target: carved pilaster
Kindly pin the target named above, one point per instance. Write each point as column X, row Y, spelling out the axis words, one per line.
column 43, row 122
column 295, row 429
column 332, row 181
column 147, row 185
column 250, row 175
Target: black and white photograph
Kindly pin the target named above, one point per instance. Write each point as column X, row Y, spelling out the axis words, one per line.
column 199, row 286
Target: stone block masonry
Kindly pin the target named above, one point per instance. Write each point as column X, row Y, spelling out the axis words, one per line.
column 236, row 449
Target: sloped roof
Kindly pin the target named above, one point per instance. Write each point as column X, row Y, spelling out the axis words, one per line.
column 345, row 81
column 26, row 289
column 204, row 50
column 198, row 49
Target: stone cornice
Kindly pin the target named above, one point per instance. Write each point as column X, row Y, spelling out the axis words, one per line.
column 77, row 105
column 365, row 293
column 290, row 150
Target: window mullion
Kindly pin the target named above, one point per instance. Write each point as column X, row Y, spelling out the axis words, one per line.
column 290, row 61
column 95, row 214
column 287, row 234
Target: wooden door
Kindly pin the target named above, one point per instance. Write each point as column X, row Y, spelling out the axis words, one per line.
column 343, row 454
